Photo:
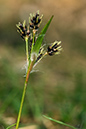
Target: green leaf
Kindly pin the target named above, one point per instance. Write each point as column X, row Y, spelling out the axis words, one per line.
column 59, row 122
column 41, row 37
column 11, row 126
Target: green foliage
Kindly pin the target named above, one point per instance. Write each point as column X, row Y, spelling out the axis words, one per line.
column 41, row 37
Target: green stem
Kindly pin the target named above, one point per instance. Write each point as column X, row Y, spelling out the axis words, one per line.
column 30, row 66
column 33, row 41
column 26, row 39
column 23, row 94
column 21, row 105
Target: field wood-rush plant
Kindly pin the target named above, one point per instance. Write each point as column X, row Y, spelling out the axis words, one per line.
column 35, row 51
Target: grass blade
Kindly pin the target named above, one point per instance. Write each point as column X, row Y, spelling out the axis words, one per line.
column 59, row 122
column 41, row 37
column 11, row 126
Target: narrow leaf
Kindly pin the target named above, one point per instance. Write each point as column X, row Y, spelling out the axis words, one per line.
column 11, row 126
column 41, row 37
column 59, row 122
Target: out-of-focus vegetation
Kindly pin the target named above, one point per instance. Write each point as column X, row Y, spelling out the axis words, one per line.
column 59, row 88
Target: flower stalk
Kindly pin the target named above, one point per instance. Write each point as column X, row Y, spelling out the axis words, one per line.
column 23, row 94
column 25, row 85
column 34, row 49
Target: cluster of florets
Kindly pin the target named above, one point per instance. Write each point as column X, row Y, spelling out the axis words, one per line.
column 34, row 23
column 23, row 30
column 30, row 32
column 55, row 48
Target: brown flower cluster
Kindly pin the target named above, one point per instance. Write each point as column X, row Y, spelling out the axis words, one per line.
column 30, row 32
column 33, row 26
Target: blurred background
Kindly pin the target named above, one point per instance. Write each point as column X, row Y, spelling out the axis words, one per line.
column 58, row 90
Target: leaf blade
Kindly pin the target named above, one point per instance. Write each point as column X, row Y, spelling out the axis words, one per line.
column 59, row 122
column 41, row 37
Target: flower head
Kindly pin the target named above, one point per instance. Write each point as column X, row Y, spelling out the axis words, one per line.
column 35, row 51
column 55, row 48
column 23, row 30
column 35, row 21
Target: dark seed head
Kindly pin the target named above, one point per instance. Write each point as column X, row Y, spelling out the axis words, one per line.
column 54, row 48
column 35, row 21
column 22, row 29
